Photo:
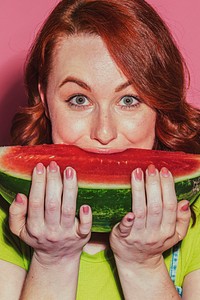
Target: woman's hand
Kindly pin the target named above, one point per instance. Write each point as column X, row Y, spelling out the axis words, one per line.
column 156, row 223
column 47, row 221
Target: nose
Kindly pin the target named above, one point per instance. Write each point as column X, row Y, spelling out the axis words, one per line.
column 104, row 128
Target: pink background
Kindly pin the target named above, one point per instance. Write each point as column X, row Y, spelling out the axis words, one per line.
column 20, row 20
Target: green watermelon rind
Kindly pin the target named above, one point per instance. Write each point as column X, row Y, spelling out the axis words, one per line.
column 108, row 205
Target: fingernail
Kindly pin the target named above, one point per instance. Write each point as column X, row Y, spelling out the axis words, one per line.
column 18, row 199
column 151, row 170
column 53, row 167
column 165, row 172
column 138, row 174
column 129, row 219
column 185, row 207
column 69, row 173
column 40, row 168
column 86, row 209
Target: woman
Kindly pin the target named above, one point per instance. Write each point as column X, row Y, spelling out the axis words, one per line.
column 104, row 76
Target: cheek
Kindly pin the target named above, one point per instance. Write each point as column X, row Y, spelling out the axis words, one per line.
column 67, row 129
column 140, row 128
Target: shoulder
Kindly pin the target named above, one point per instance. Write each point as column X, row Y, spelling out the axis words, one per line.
column 191, row 243
column 189, row 258
column 13, row 250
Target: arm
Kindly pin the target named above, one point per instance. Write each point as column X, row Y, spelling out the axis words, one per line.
column 11, row 281
column 146, row 282
column 138, row 241
column 54, row 233
column 56, row 280
column 191, row 287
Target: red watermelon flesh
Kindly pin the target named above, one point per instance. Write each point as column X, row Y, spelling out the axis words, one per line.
column 95, row 168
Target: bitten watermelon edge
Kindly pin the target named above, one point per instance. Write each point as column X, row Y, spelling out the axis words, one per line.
column 103, row 179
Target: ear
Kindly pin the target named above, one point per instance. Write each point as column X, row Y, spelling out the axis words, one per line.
column 43, row 99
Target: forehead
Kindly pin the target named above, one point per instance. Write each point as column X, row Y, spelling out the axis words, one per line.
column 81, row 46
column 81, row 54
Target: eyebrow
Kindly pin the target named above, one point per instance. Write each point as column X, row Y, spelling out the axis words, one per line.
column 77, row 81
column 86, row 86
column 123, row 86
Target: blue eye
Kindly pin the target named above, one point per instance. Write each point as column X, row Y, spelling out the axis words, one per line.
column 129, row 101
column 78, row 100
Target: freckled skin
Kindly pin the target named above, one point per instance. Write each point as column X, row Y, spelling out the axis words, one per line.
column 103, row 119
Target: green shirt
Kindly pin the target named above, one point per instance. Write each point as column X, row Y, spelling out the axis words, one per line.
column 98, row 277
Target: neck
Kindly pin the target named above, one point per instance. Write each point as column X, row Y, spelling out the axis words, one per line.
column 97, row 243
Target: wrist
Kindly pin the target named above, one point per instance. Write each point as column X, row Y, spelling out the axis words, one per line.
column 151, row 263
column 152, row 271
column 48, row 261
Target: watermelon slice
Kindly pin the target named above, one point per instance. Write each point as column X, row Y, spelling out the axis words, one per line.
column 103, row 179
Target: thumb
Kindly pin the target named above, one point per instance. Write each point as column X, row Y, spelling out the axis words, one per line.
column 126, row 224
column 183, row 218
column 17, row 214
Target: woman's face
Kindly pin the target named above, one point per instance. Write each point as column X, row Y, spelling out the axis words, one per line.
column 90, row 102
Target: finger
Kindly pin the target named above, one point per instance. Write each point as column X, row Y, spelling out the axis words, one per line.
column 138, row 199
column 183, row 218
column 36, row 196
column 53, row 195
column 125, row 226
column 17, row 214
column 85, row 221
column 182, row 224
column 154, row 198
column 169, row 201
column 70, row 190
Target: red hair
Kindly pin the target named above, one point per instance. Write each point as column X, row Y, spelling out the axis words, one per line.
column 143, row 48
